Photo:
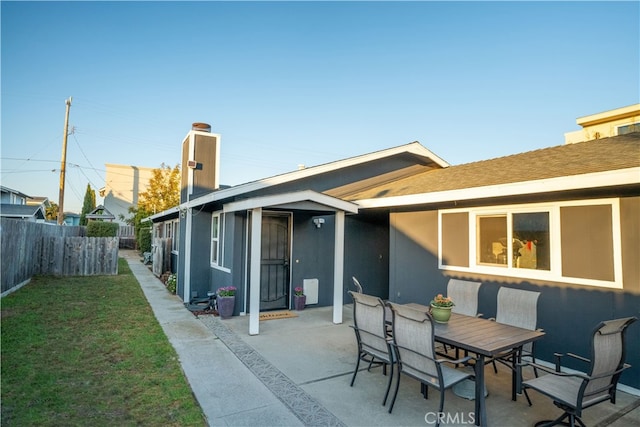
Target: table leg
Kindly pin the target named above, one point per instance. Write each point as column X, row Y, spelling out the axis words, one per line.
column 480, row 405
column 515, row 386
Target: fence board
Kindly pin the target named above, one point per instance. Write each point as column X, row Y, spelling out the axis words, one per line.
column 28, row 248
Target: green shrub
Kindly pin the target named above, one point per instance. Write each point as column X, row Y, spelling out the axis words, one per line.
column 144, row 239
column 102, row 229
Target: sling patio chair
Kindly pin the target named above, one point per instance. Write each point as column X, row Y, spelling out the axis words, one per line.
column 517, row 307
column 413, row 341
column 573, row 392
column 387, row 310
column 374, row 346
column 464, row 295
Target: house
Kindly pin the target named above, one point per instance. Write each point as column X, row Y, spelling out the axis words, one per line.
column 123, row 184
column 561, row 220
column 14, row 204
column 100, row 213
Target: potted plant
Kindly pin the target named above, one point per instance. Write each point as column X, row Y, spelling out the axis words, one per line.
column 441, row 308
column 226, row 301
column 299, row 298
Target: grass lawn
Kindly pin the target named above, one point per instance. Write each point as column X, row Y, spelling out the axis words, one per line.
column 80, row 351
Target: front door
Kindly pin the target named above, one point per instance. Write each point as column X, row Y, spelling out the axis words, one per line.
column 274, row 262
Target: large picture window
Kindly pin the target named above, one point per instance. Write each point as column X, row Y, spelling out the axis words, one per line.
column 536, row 241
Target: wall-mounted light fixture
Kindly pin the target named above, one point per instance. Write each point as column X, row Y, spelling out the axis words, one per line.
column 318, row 222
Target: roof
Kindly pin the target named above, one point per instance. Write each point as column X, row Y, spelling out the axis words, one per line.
column 414, row 149
column 11, row 190
column 591, row 157
column 21, row 211
column 100, row 212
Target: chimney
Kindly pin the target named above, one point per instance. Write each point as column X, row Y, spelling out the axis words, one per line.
column 200, row 162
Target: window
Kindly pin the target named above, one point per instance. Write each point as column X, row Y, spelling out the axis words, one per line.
column 576, row 242
column 176, row 235
column 634, row 127
column 216, row 239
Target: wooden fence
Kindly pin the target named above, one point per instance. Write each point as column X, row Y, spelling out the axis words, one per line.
column 161, row 253
column 29, row 248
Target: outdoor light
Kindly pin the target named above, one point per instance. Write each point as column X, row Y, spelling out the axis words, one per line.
column 318, row 222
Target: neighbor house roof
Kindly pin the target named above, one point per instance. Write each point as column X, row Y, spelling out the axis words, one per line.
column 9, row 210
column 548, row 169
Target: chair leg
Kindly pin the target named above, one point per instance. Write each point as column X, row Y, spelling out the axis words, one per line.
column 395, row 392
column 495, row 367
column 356, row 370
column 386, row 394
column 527, row 396
column 441, row 408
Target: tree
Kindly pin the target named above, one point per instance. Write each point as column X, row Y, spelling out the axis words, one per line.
column 163, row 191
column 51, row 212
column 88, row 205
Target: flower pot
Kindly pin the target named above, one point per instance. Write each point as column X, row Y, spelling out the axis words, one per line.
column 299, row 302
column 440, row 314
column 226, row 306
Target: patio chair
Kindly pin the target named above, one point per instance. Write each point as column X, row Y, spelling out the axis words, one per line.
column 374, row 346
column 413, row 341
column 573, row 392
column 465, row 297
column 517, row 307
column 387, row 310
column 357, row 284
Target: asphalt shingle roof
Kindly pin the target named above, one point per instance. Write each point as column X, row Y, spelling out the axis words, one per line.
column 606, row 154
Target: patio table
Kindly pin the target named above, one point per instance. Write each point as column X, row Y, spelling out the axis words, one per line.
column 485, row 338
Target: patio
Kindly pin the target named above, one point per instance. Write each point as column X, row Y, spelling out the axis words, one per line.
column 307, row 362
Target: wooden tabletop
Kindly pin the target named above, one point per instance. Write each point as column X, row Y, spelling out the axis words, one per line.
column 480, row 336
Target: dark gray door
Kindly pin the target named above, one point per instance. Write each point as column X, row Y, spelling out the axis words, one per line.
column 274, row 263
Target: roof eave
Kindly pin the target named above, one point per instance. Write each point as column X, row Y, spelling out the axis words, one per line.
column 567, row 183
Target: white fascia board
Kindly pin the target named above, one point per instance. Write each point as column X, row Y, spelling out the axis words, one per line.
column 414, row 148
column 288, row 198
column 165, row 212
column 566, row 183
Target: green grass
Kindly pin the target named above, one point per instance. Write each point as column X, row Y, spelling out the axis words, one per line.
column 80, row 351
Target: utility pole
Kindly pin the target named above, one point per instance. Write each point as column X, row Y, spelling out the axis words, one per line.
column 63, row 165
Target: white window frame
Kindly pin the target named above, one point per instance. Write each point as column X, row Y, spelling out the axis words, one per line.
column 555, row 268
column 218, row 241
column 176, row 236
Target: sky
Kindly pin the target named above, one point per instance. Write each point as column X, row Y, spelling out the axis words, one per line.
column 299, row 83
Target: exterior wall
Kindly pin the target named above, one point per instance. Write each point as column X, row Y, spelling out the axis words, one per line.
column 367, row 254
column 603, row 125
column 123, row 183
column 567, row 312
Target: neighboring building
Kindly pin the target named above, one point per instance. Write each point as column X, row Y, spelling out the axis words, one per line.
column 123, row 184
column 620, row 121
column 14, row 204
column 71, row 218
column 100, row 213
column 561, row 220
column 9, row 196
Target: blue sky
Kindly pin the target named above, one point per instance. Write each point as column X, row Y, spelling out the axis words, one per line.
column 291, row 83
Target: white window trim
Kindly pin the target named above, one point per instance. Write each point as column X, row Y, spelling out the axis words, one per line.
column 175, row 244
column 625, row 124
column 220, row 242
column 555, row 272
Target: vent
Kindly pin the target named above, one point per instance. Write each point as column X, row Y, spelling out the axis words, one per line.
column 310, row 287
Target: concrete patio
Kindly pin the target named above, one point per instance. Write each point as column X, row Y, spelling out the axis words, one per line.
column 297, row 372
column 307, row 361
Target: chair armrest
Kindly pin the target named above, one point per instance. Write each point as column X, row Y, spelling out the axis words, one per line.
column 559, row 356
column 554, row 372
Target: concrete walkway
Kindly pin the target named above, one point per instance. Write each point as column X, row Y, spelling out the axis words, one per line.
column 298, row 370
